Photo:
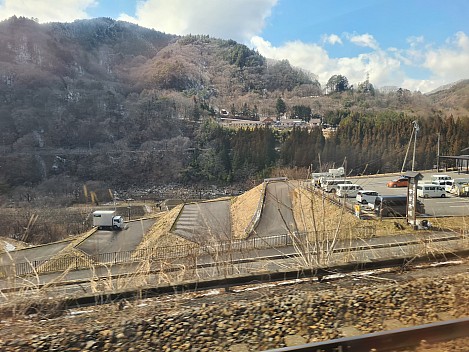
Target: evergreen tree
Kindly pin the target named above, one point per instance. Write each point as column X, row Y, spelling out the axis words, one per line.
column 280, row 107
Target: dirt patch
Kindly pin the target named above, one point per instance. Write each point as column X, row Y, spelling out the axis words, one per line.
column 243, row 209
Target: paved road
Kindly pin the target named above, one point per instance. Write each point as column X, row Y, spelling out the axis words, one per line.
column 277, row 216
column 38, row 253
column 205, row 221
column 116, row 241
column 99, row 242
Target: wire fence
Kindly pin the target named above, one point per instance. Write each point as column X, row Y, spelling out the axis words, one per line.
column 160, row 253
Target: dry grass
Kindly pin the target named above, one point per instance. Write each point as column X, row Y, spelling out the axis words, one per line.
column 77, row 257
column 6, row 242
column 243, row 209
column 160, row 234
column 457, row 224
column 313, row 213
column 70, row 251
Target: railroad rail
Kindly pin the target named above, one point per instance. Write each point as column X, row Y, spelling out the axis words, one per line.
column 389, row 340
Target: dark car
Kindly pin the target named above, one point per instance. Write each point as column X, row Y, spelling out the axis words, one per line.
column 395, row 206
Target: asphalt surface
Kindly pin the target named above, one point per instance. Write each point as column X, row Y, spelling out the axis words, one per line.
column 451, row 205
column 277, row 215
column 205, row 221
column 99, row 242
column 40, row 253
column 116, row 241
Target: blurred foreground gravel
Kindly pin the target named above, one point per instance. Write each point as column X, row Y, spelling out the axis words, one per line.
column 250, row 320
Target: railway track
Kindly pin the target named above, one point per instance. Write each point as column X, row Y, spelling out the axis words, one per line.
column 239, row 280
column 387, row 341
column 257, row 256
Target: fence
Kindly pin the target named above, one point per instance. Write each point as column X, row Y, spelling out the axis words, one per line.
column 158, row 254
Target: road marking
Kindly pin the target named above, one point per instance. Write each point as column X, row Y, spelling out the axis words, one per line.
column 456, row 201
column 458, row 206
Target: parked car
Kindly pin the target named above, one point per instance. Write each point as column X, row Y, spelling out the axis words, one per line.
column 366, row 196
column 431, row 191
column 448, row 185
column 395, row 206
column 398, row 182
column 330, row 185
column 348, row 190
column 440, row 179
column 458, row 184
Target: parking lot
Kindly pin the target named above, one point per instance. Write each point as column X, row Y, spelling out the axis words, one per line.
column 449, row 206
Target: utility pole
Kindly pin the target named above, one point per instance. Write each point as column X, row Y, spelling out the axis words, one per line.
column 416, row 128
column 438, row 154
column 407, row 151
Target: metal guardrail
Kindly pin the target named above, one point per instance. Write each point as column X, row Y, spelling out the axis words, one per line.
column 162, row 253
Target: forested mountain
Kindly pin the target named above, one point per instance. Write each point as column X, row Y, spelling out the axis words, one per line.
column 105, row 100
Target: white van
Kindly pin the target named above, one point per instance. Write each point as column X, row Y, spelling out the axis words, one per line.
column 430, row 191
column 331, row 184
column 440, row 179
column 348, row 189
column 449, row 185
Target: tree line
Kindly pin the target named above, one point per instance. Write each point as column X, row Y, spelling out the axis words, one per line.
column 366, row 144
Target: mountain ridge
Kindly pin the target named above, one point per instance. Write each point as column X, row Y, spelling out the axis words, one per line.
column 104, row 86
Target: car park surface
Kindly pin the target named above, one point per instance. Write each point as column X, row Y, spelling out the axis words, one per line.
column 449, row 206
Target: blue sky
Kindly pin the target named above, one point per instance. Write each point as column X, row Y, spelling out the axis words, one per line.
column 414, row 44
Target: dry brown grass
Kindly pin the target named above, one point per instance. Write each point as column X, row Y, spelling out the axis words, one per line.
column 5, row 241
column 243, row 209
column 73, row 255
column 457, row 224
column 160, row 234
column 313, row 213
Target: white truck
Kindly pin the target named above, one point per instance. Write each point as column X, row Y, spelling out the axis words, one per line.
column 107, row 219
column 318, row 177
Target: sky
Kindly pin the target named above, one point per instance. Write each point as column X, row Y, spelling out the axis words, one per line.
column 419, row 45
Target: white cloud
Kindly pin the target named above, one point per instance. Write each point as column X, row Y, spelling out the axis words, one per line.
column 391, row 67
column 299, row 54
column 383, row 68
column 235, row 19
column 449, row 62
column 331, row 39
column 364, row 40
column 414, row 40
column 46, row 10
